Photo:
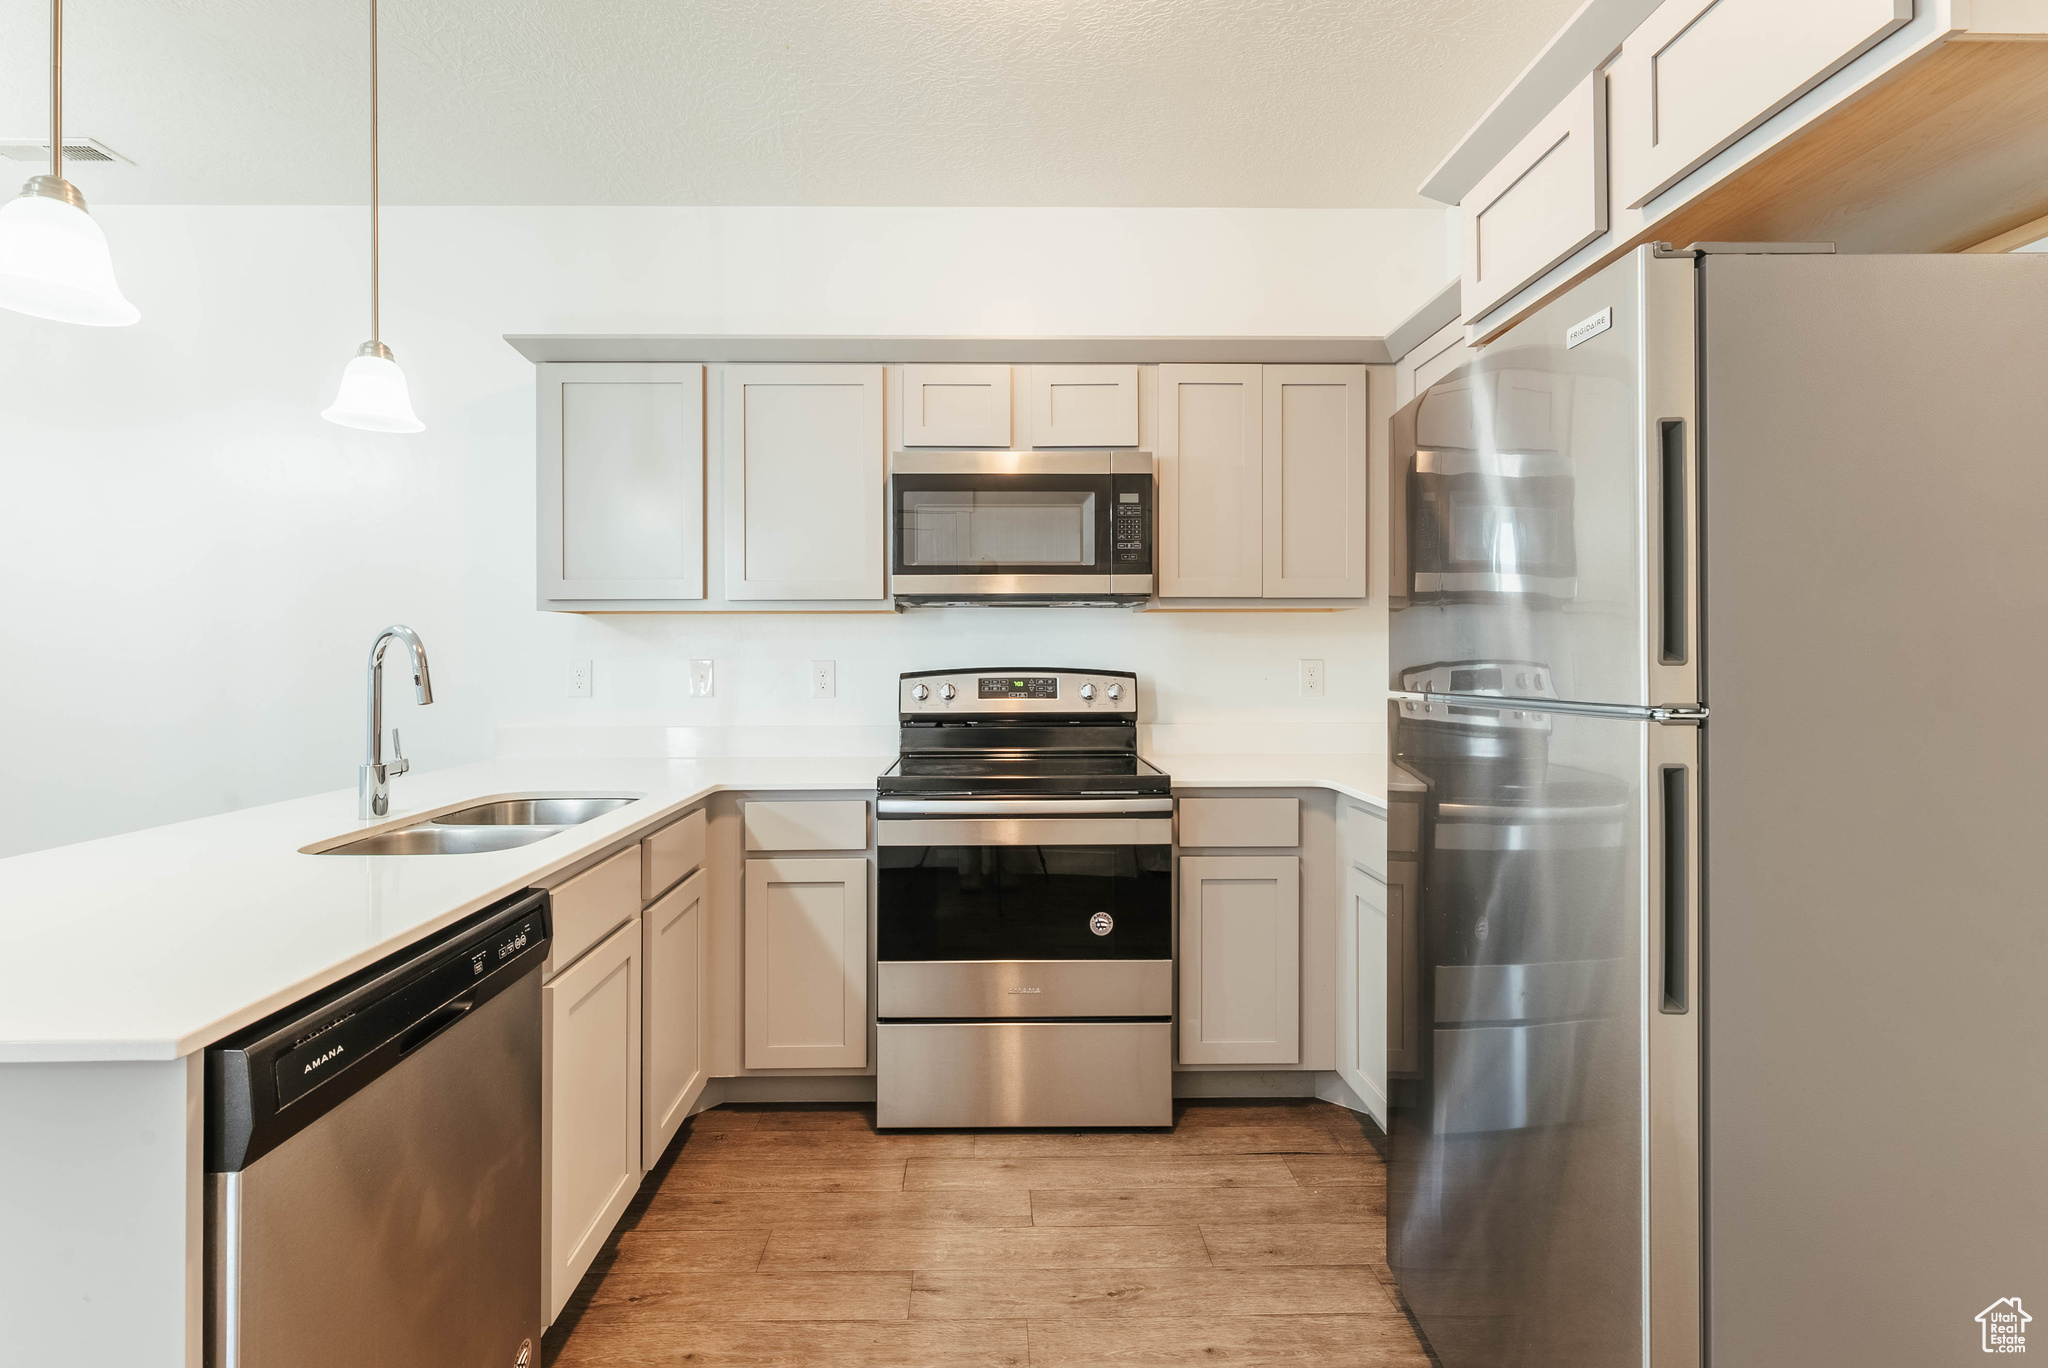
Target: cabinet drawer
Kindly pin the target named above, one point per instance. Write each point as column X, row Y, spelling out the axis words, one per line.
column 1082, row 406
column 1240, row 822
column 956, row 406
column 669, row 854
column 591, row 904
column 839, row 825
column 1544, row 201
column 1698, row 74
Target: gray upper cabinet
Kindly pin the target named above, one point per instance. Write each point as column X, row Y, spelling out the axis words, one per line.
column 956, row 406
column 621, row 495
column 804, row 482
column 1262, row 482
column 1211, row 481
column 1084, row 406
column 1315, row 469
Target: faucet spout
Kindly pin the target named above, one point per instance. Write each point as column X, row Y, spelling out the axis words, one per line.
column 373, row 788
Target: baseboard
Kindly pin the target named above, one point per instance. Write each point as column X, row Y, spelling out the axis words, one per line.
column 1354, row 1092
column 1245, row 1082
column 788, row 1088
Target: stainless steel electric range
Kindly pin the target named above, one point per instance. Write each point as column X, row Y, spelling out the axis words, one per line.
column 1025, row 917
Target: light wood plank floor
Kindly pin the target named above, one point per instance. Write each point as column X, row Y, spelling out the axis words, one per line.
column 782, row 1237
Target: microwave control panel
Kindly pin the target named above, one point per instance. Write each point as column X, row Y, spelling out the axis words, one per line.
column 1132, row 524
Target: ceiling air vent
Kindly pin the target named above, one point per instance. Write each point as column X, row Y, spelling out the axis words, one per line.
column 75, row 150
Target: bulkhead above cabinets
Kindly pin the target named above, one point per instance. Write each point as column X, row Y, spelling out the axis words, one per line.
column 709, row 485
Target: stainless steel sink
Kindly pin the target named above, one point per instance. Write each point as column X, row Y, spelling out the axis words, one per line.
column 551, row 812
column 500, row 824
column 429, row 839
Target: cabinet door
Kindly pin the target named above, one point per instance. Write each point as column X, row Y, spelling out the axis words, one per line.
column 1404, row 968
column 807, row 964
column 1084, row 406
column 591, row 1101
column 1544, row 201
column 1698, row 74
column 672, row 1026
column 621, row 481
column 1240, row 959
column 1211, row 482
column 956, row 406
column 804, row 482
column 1366, row 900
column 1315, row 470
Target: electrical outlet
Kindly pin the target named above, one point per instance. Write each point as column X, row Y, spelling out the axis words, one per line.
column 579, row 679
column 700, row 679
column 824, row 678
column 1311, row 679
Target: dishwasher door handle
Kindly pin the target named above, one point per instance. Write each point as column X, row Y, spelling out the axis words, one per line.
column 432, row 1024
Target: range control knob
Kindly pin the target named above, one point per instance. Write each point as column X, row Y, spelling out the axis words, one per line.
column 947, row 691
column 1087, row 693
column 920, row 692
column 1116, row 691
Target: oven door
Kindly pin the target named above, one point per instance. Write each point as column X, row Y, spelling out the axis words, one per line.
column 1096, row 886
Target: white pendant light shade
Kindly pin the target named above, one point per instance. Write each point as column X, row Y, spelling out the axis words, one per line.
column 54, row 261
column 373, row 395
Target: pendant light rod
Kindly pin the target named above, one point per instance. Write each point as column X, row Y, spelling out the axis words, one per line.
column 376, row 305
column 57, row 88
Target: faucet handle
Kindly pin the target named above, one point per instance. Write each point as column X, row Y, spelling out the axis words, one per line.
column 399, row 764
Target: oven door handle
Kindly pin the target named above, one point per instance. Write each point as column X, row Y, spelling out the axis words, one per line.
column 1025, row 831
column 1020, row 807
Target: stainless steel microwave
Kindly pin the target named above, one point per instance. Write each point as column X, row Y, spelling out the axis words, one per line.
column 1021, row 527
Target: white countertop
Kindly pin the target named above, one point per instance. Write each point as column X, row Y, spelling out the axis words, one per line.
column 157, row 943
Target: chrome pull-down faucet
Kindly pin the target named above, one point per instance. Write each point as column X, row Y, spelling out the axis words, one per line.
column 373, row 788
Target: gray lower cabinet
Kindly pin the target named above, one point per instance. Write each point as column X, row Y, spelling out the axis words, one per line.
column 621, row 493
column 1240, row 959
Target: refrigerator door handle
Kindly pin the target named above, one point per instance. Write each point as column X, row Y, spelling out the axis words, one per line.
column 1675, row 525
column 1675, row 1006
column 1675, row 888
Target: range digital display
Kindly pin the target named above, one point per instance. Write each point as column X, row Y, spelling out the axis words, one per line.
column 1018, row 686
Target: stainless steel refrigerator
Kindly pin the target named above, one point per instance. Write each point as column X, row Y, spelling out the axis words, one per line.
column 1719, row 612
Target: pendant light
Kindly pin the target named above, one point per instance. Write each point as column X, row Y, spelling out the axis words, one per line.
column 373, row 392
column 53, row 258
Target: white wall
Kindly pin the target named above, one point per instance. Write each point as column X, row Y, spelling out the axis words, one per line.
column 195, row 563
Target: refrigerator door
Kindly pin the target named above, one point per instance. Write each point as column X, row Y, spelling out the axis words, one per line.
column 1533, row 539
column 1877, row 784
column 1544, row 1154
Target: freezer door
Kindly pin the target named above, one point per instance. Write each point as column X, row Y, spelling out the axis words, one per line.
column 1543, row 508
column 1532, row 1175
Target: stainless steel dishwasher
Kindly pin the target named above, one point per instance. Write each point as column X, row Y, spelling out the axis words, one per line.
column 373, row 1156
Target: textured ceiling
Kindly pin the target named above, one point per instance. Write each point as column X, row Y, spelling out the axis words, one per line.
column 1285, row 103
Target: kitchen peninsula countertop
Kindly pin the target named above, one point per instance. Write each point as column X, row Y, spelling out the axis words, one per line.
column 154, row 944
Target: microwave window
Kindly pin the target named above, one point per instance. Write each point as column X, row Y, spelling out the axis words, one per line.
column 998, row 527
column 1508, row 538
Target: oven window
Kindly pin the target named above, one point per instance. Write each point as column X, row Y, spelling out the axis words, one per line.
column 1024, row 902
column 997, row 527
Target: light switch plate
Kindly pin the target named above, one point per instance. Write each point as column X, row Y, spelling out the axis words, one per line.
column 824, row 678
column 1311, row 679
column 579, row 679
column 701, row 680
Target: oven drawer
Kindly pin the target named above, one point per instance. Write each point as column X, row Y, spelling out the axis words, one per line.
column 1024, row 1073
column 1024, row 988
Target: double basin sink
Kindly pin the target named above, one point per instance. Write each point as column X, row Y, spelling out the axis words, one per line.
column 502, row 824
